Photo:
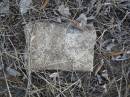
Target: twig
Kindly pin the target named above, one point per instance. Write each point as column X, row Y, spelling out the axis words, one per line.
column 5, row 77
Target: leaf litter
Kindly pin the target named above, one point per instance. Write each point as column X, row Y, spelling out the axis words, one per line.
column 115, row 54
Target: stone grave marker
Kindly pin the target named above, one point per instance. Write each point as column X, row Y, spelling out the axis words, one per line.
column 53, row 46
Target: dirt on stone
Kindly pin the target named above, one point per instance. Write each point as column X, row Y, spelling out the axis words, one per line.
column 111, row 71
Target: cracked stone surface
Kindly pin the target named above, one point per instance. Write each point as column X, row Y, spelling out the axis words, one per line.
column 55, row 46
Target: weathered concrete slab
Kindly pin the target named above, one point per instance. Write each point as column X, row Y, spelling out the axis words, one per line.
column 55, row 46
column 4, row 7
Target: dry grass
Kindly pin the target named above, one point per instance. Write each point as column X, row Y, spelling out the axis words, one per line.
column 111, row 76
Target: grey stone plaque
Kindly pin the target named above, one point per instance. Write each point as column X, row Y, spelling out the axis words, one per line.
column 53, row 46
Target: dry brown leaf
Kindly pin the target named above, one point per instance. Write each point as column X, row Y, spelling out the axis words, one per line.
column 117, row 53
column 76, row 24
column 44, row 3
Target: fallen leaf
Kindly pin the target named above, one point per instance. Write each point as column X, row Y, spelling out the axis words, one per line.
column 44, row 3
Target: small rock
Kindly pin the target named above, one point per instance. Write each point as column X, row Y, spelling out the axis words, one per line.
column 12, row 72
column 64, row 10
column 24, row 6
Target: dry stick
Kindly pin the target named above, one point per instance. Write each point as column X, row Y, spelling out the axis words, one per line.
column 51, row 84
column 16, row 53
column 127, row 13
column 10, row 95
column 125, row 77
column 98, row 68
column 68, row 87
column 127, row 85
column 14, row 57
column 37, row 91
column 76, row 23
column 29, row 62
